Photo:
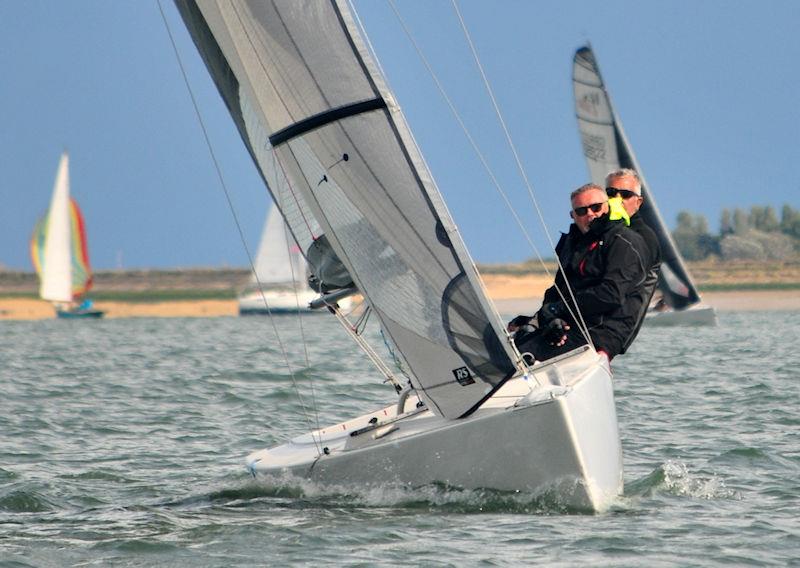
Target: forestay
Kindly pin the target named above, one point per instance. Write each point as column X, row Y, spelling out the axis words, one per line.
column 606, row 148
column 335, row 151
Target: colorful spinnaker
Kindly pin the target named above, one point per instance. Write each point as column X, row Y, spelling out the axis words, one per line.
column 59, row 249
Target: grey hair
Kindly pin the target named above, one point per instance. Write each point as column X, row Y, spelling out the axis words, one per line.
column 584, row 188
column 626, row 172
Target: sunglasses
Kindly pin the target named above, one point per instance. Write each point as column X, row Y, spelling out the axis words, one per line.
column 595, row 207
column 624, row 193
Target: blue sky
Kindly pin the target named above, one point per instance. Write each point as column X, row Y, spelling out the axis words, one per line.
column 707, row 91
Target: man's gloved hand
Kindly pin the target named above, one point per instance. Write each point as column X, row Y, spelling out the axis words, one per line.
column 550, row 311
column 555, row 332
column 518, row 322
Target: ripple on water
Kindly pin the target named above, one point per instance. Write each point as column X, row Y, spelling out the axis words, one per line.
column 24, row 501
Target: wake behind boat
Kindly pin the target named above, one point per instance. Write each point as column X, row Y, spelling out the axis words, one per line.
column 606, row 148
column 60, row 253
column 338, row 158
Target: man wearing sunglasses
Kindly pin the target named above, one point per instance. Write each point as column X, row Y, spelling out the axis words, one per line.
column 604, row 266
column 626, row 184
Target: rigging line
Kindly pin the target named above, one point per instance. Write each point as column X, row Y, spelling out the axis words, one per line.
column 481, row 157
column 468, row 135
column 296, row 199
column 277, row 165
column 524, row 175
column 361, row 323
column 367, row 349
column 293, row 239
column 247, row 32
column 233, row 213
column 342, row 318
column 292, row 266
column 314, row 404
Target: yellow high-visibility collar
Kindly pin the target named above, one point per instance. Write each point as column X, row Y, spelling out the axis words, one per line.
column 616, row 210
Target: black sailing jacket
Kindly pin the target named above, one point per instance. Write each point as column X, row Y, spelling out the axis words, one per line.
column 653, row 264
column 606, row 270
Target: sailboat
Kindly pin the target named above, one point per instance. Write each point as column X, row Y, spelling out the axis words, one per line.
column 60, row 253
column 280, row 274
column 606, row 148
column 335, row 152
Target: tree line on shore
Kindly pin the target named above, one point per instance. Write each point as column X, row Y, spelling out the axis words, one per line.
column 756, row 234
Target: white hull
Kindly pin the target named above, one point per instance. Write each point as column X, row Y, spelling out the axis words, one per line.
column 283, row 302
column 699, row 314
column 554, row 432
column 279, row 301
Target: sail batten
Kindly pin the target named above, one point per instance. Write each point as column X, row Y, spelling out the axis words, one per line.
column 606, row 148
column 321, row 119
column 305, row 92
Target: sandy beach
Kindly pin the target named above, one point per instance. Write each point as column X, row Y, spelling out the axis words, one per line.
column 523, row 294
column 511, row 294
column 733, row 301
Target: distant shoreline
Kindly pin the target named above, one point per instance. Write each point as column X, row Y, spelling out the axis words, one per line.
column 728, row 301
column 743, row 286
column 34, row 309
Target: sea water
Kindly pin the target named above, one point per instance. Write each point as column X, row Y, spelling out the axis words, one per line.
column 123, row 444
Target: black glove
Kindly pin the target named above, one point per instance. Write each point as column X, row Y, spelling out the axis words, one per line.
column 518, row 322
column 551, row 311
column 555, row 332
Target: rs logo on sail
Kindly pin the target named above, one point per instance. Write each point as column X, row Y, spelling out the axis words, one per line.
column 463, row 376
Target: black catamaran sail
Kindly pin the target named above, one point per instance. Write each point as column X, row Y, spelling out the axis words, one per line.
column 606, row 148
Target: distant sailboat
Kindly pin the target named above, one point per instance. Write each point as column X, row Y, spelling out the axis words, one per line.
column 60, row 254
column 606, row 148
column 281, row 273
column 306, row 94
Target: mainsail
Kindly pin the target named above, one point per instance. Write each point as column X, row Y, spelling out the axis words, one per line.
column 335, row 151
column 606, row 148
column 58, row 245
column 278, row 263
